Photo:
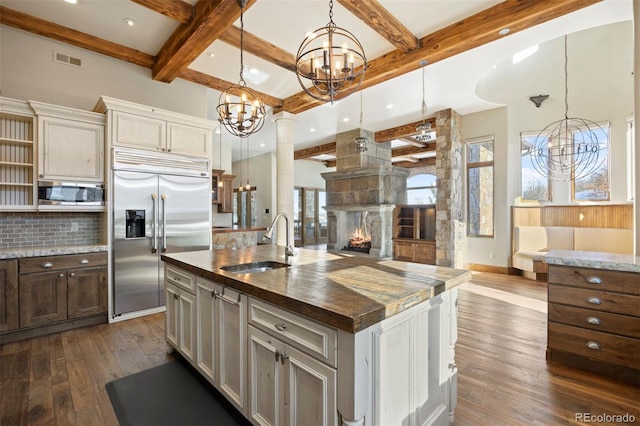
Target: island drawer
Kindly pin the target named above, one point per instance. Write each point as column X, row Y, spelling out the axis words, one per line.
column 593, row 299
column 309, row 336
column 597, row 279
column 180, row 278
column 595, row 345
column 57, row 263
column 623, row 325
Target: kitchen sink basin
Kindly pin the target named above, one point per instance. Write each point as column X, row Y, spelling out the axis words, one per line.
column 247, row 268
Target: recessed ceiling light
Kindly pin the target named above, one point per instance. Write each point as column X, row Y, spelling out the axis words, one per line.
column 262, row 145
column 312, row 130
column 389, row 106
column 130, row 22
column 504, row 31
column 71, row 1
column 346, row 119
column 254, row 71
column 211, row 54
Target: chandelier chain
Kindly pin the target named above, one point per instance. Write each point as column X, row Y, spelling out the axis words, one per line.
column 330, row 11
column 241, row 82
column 566, row 79
column 424, row 103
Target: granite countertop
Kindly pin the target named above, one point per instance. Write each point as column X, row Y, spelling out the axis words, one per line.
column 226, row 229
column 16, row 253
column 593, row 259
column 345, row 291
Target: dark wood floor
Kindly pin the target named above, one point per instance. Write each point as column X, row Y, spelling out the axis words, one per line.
column 503, row 376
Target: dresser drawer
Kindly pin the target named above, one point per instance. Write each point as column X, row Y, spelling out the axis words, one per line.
column 56, row 263
column 596, row 300
column 599, row 346
column 597, row 279
column 180, row 278
column 623, row 325
column 309, row 336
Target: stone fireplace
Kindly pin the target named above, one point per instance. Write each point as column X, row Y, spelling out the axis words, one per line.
column 361, row 196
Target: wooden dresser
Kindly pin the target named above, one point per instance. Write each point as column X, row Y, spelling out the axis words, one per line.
column 594, row 318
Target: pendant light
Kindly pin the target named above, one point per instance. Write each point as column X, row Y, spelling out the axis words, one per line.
column 247, row 187
column 332, row 60
column 240, row 109
column 570, row 148
column 361, row 141
column 424, row 128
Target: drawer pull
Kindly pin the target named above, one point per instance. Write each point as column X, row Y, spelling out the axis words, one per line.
column 60, row 275
column 281, row 327
column 47, row 265
column 227, row 299
column 594, row 320
column 175, row 296
column 72, row 274
column 176, row 279
column 84, row 261
column 593, row 345
column 594, row 280
column 594, row 300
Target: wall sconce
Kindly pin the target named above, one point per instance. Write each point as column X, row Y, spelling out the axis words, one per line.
column 538, row 100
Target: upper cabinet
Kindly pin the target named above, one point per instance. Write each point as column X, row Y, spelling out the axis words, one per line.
column 142, row 127
column 17, row 155
column 70, row 144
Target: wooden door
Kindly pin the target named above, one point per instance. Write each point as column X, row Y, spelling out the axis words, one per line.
column 310, row 390
column 404, row 250
column 172, row 315
column 425, row 253
column 187, row 325
column 266, row 387
column 42, row 298
column 8, row 295
column 188, row 140
column 206, row 328
column 309, row 219
column 137, row 131
column 86, row 292
column 232, row 326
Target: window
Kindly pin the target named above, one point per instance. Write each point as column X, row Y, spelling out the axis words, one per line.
column 421, row 189
column 534, row 186
column 480, row 187
column 594, row 187
column 245, row 207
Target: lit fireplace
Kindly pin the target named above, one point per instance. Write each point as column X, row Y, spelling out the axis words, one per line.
column 360, row 240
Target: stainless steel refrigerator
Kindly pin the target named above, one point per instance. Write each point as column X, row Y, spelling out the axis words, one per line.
column 161, row 204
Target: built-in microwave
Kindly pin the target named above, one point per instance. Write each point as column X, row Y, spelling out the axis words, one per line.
column 70, row 193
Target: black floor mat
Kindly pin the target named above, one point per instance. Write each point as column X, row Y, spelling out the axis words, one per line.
column 172, row 394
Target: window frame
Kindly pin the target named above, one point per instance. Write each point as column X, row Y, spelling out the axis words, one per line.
column 478, row 165
column 549, row 199
column 607, row 127
column 434, row 187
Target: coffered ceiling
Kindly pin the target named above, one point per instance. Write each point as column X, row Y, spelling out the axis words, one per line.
column 198, row 41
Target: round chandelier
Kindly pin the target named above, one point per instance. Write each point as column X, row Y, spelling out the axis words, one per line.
column 570, row 148
column 332, row 60
column 240, row 109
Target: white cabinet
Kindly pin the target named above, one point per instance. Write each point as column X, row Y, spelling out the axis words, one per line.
column 221, row 354
column 180, row 321
column 70, row 143
column 287, row 386
column 142, row 127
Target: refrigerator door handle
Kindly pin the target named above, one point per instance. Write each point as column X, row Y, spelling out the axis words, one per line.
column 154, row 249
column 164, row 222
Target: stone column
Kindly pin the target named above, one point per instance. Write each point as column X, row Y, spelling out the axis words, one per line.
column 284, row 173
column 449, row 199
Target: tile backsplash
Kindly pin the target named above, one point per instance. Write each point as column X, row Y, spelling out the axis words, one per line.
column 25, row 230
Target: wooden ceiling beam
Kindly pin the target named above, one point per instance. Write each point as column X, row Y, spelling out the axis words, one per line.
column 327, row 148
column 423, row 162
column 211, row 18
column 401, row 132
column 469, row 33
column 260, row 48
column 379, row 19
column 177, row 10
column 410, row 150
column 48, row 29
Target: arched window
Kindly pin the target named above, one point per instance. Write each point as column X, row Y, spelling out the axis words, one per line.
column 421, row 189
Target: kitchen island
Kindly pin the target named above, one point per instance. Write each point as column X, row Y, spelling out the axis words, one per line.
column 330, row 338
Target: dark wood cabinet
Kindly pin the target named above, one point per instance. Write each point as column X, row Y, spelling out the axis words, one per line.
column 43, row 298
column 8, row 295
column 225, row 194
column 86, row 292
column 414, row 232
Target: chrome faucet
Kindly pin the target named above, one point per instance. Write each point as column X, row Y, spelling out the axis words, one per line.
column 267, row 237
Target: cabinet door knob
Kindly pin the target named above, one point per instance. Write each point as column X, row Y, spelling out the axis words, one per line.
column 593, row 345
column 47, row 265
column 41, row 175
column 72, row 274
column 594, row 300
column 277, row 355
column 594, row 320
column 594, row 280
column 60, row 275
column 175, row 296
column 281, row 327
column 283, row 358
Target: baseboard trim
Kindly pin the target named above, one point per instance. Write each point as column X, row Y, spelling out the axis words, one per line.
column 505, row 270
column 58, row 327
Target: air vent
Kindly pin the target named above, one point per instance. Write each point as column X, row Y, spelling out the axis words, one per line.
column 63, row 58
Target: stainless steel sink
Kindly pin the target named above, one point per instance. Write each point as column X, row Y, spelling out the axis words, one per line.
column 247, row 268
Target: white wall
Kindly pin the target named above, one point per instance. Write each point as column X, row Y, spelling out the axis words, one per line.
column 306, row 173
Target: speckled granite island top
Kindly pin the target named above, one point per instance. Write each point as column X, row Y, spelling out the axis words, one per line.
column 344, row 291
column 17, row 253
column 592, row 259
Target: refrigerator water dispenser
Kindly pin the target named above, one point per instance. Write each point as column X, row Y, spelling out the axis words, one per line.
column 135, row 223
